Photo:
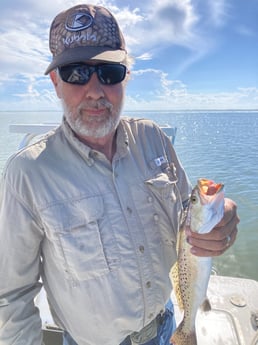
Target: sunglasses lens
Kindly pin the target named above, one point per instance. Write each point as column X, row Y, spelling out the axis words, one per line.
column 110, row 74
column 80, row 74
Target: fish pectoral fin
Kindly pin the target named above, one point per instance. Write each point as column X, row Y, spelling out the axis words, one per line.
column 206, row 306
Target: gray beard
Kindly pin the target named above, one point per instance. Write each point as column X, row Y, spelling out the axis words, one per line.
column 108, row 125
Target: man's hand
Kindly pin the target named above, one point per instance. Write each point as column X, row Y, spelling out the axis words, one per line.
column 220, row 238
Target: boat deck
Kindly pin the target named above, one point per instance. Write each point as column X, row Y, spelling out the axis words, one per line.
column 233, row 319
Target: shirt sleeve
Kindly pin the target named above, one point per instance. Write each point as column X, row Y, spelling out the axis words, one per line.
column 20, row 238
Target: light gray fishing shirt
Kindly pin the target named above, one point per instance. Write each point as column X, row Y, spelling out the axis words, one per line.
column 102, row 236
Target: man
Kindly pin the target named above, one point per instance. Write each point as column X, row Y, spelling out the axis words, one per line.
column 94, row 207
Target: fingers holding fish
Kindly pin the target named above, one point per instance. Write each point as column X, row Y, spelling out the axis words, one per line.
column 230, row 214
column 205, row 247
column 222, row 236
column 211, row 247
column 225, row 232
column 230, row 239
column 227, row 227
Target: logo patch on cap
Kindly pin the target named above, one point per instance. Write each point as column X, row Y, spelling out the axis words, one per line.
column 78, row 21
column 91, row 30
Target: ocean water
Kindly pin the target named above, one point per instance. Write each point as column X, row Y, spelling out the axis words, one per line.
column 219, row 145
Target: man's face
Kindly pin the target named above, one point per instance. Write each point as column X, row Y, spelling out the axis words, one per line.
column 92, row 110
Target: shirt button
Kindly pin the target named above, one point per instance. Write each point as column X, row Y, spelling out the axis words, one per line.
column 141, row 249
column 156, row 218
column 148, row 284
column 129, row 210
column 150, row 199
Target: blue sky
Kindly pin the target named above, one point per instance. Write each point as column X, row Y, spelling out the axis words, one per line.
column 189, row 54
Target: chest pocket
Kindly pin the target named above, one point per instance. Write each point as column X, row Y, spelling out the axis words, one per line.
column 161, row 201
column 159, row 207
column 82, row 238
column 167, row 203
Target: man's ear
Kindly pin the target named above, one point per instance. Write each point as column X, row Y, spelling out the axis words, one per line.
column 56, row 82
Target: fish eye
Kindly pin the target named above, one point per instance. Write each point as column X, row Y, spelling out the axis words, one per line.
column 194, row 199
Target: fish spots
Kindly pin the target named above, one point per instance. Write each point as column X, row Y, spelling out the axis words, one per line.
column 192, row 272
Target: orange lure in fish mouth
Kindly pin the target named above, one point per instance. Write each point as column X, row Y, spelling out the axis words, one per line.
column 209, row 187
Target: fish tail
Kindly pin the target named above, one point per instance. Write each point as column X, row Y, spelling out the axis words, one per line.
column 181, row 337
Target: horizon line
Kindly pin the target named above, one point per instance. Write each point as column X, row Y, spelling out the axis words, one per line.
column 135, row 110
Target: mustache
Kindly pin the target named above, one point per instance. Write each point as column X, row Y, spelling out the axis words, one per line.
column 90, row 104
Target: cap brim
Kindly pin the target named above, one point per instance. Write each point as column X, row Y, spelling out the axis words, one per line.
column 80, row 54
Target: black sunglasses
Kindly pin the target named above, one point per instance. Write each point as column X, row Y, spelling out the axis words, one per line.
column 80, row 73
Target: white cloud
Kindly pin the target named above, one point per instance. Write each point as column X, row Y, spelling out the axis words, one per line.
column 167, row 94
column 173, row 18
column 127, row 17
column 176, row 23
column 24, row 52
column 129, row 20
column 149, row 27
column 163, row 22
column 145, row 56
column 218, row 12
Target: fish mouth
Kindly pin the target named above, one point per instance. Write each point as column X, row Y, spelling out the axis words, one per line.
column 209, row 187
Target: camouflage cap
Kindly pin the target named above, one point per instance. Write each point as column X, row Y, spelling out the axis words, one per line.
column 85, row 32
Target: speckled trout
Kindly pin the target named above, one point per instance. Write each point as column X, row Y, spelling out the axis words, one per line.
column 190, row 275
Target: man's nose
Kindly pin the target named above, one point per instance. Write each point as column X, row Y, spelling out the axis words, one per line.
column 94, row 88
